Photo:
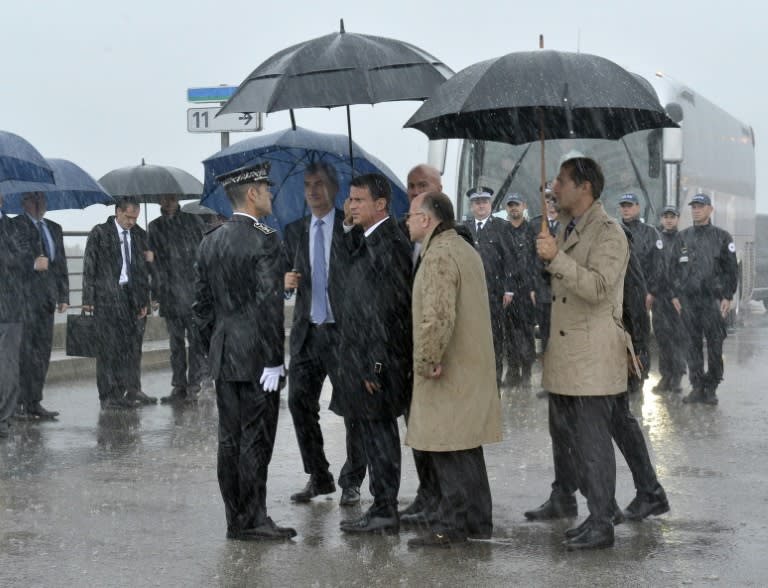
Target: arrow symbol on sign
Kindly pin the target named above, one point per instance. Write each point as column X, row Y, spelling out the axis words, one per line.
column 246, row 117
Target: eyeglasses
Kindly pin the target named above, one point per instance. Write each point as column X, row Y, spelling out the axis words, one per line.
column 408, row 215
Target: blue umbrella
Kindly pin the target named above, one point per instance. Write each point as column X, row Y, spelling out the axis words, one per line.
column 20, row 161
column 73, row 188
column 290, row 151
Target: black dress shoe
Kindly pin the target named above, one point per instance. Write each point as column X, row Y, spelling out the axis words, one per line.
column 438, row 539
column 314, row 488
column 350, row 496
column 419, row 519
column 485, row 533
column 593, row 537
column 267, row 531
column 696, row 395
column 178, row 394
column 140, row 397
column 416, row 506
column 372, row 524
column 557, row 507
column 37, row 411
column 616, row 519
column 645, row 505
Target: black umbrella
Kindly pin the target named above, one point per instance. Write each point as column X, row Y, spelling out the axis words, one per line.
column 539, row 95
column 149, row 183
column 339, row 69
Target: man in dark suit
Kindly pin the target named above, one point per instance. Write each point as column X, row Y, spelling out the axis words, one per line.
column 10, row 320
column 174, row 239
column 116, row 290
column 493, row 242
column 45, row 287
column 376, row 345
column 239, row 313
column 317, row 262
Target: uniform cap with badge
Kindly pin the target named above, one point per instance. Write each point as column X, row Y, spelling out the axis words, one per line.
column 247, row 174
column 514, row 198
column 701, row 199
column 479, row 192
column 670, row 209
column 628, row 198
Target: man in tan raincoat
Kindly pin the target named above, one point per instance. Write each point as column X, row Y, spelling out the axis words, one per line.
column 585, row 365
column 455, row 407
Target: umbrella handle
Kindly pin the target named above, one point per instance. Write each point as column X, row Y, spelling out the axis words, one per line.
column 544, row 219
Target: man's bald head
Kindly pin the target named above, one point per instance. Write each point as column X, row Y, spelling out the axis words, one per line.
column 423, row 178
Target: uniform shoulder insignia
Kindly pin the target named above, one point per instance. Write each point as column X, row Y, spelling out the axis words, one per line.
column 732, row 247
column 267, row 230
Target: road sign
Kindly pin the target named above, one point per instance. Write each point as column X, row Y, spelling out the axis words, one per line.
column 212, row 94
column 204, row 120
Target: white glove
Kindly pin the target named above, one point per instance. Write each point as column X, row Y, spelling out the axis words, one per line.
column 270, row 378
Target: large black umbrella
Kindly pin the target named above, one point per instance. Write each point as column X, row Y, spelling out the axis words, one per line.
column 539, row 95
column 21, row 161
column 339, row 69
column 149, row 183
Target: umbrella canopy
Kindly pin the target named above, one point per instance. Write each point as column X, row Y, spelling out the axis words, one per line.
column 197, row 208
column 539, row 95
column 289, row 152
column 339, row 69
column 73, row 188
column 517, row 97
column 20, row 161
column 149, row 183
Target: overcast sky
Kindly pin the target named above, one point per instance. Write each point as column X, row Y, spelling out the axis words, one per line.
column 104, row 83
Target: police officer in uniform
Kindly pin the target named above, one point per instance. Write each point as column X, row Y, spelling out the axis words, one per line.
column 704, row 281
column 520, row 315
column 667, row 324
column 493, row 241
column 648, row 246
column 239, row 313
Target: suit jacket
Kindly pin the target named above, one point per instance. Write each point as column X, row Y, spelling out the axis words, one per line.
column 296, row 247
column 174, row 240
column 495, row 247
column 102, row 263
column 376, row 342
column 42, row 290
column 239, row 299
column 11, row 260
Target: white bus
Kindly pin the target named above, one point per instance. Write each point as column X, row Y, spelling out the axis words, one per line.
column 711, row 153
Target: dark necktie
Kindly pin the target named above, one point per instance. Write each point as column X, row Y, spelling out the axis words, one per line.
column 479, row 226
column 569, row 228
column 319, row 277
column 127, row 255
column 44, row 237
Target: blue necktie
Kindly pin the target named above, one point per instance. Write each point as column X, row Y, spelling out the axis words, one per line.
column 319, row 276
column 569, row 228
column 127, row 255
column 45, row 235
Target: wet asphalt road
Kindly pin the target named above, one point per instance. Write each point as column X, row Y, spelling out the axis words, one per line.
column 131, row 499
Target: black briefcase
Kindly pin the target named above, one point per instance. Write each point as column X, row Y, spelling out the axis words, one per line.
column 82, row 338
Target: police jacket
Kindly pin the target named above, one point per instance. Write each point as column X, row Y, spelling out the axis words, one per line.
column 634, row 315
column 527, row 262
column 239, row 299
column 668, row 238
column 647, row 243
column 494, row 243
column 704, row 263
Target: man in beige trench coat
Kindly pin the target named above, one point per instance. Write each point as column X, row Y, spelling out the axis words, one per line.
column 585, row 364
column 455, row 407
